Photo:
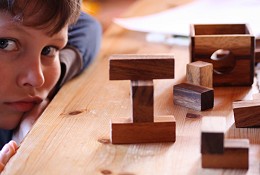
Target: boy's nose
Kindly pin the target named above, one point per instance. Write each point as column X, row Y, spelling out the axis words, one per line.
column 31, row 74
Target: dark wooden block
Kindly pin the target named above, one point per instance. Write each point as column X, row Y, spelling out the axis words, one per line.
column 193, row 96
column 257, row 50
column 247, row 113
column 212, row 135
column 236, row 155
column 234, row 66
column 125, row 132
column 142, row 101
column 141, row 67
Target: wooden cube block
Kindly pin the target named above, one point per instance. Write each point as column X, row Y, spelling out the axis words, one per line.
column 193, row 96
column 229, row 47
column 200, row 73
column 247, row 113
column 125, row 132
column 141, row 67
column 236, row 155
column 212, row 135
column 142, row 101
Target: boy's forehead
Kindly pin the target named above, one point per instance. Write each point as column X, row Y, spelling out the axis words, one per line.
column 8, row 25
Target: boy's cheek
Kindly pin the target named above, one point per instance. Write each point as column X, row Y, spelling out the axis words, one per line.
column 10, row 121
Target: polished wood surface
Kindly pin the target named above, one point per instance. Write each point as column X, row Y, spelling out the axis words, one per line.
column 73, row 134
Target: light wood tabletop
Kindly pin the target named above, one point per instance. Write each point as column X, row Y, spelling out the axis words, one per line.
column 73, row 134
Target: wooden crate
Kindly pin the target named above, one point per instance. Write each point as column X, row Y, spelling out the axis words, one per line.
column 237, row 67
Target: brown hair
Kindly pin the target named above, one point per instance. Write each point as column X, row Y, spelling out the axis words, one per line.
column 52, row 15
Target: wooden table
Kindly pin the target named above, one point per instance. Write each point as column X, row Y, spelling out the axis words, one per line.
column 72, row 135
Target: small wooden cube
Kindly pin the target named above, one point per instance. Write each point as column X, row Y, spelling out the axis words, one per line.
column 236, row 155
column 247, row 113
column 125, row 132
column 141, row 67
column 200, row 73
column 212, row 135
column 235, row 40
column 142, row 101
column 193, row 96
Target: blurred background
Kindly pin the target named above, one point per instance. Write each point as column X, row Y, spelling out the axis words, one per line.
column 106, row 10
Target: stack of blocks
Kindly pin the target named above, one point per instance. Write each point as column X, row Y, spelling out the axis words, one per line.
column 197, row 93
column 143, row 127
column 218, row 152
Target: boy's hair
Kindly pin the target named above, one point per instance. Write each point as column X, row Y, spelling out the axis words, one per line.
column 52, row 15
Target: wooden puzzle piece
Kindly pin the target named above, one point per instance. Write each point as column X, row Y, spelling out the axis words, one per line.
column 200, row 73
column 257, row 50
column 236, row 155
column 141, row 70
column 212, row 135
column 247, row 113
column 125, row 132
column 141, row 67
column 235, row 38
column 193, row 96
column 142, row 101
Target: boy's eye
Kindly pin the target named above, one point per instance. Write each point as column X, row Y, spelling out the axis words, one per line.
column 49, row 51
column 8, row 45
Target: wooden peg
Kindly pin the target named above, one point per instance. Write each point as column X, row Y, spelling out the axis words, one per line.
column 236, row 155
column 141, row 67
column 125, row 132
column 247, row 113
column 193, row 96
column 212, row 135
column 200, row 73
column 142, row 101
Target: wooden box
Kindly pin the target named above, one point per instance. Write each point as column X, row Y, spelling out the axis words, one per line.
column 229, row 47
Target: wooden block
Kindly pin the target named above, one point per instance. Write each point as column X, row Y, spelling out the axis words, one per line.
column 236, row 155
column 212, row 135
column 125, row 132
column 142, row 101
column 235, row 65
column 247, row 113
column 257, row 50
column 141, row 67
column 193, row 96
column 200, row 73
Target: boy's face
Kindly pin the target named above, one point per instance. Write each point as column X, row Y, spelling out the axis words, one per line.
column 29, row 68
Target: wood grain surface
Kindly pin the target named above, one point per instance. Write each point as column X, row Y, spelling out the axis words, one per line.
column 73, row 134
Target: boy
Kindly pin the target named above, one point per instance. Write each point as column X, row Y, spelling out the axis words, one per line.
column 41, row 48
